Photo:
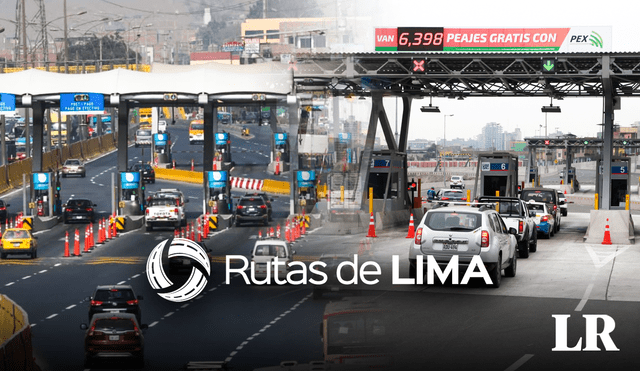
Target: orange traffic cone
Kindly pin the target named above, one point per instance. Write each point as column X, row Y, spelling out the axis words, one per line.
column 372, row 227
column 66, row 244
column 278, row 231
column 271, row 233
column 565, row 191
column 259, row 235
column 607, row 234
column 412, row 229
column 76, row 244
column 287, row 235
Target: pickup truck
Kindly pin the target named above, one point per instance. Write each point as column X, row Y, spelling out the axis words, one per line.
column 165, row 209
column 516, row 214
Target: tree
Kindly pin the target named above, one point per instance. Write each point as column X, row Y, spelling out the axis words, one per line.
column 87, row 49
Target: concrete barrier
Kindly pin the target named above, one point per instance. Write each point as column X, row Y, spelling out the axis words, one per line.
column 15, row 337
column 75, row 150
column 220, row 222
column 621, row 227
column 41, row 223
column 180, row 175
column 275, row 186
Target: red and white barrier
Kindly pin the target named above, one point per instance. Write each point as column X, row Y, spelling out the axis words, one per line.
column 246, row 183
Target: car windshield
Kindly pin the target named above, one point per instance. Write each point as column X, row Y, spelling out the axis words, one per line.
column 251, row 202
column 538, row 196
column 537, row 208
column 114, row 295
column 143, row 132
column 72, row 162
column 12, row 235
column 197, row 126
column 450, row 221
column 79, row 203
column 450, row 194
column 162, row 202
column 509, row 208
column 108, row 324
column 271, row 250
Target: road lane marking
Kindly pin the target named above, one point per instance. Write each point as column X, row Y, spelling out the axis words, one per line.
column 153, row 324
column 169, row 314
column 26, row 277
column 121, row 283
column 53, row 315
column 42, row 271
column 10, row 283
column 70, row 306
column 519, row 362
column 585, row 297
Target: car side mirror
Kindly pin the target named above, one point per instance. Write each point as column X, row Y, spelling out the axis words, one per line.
column 140, row 297
column 513, row 231
column 84, row 326
column 95, row 205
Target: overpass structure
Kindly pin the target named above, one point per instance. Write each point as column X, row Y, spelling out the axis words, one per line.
column 376, row 75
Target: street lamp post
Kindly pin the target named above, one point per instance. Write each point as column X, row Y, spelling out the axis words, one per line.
column 444, row 145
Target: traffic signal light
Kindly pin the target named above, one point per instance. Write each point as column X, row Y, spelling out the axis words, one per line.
column 586, row 142
column 546, row 142
column 412, row 186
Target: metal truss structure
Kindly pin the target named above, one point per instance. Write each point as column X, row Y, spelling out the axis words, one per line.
column 579, row 142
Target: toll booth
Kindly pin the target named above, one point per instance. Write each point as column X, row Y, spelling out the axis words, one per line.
column 162, row 147
column 497, row 171
column 306, row 190
column 572, row 180
column 619, row 181
column 533, row 177
column 218, row 193
column 387, row 178
column 131, row 200
column 223, row 146
column 42, row 193
column 281, row 147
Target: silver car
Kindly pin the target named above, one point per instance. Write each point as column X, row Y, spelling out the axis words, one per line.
column 73, row 166
column 466, row 232
column 143, row 137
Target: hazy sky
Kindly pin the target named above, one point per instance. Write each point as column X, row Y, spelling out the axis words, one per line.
column 579, row 116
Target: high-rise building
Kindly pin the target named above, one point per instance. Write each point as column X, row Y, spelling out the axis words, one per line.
column 493, row 137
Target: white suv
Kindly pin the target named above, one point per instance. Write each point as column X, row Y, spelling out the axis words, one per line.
column 466, row 232
column 457, row 181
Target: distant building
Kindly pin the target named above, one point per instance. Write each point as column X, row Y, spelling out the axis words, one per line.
column 217, row 57
column 492, row 137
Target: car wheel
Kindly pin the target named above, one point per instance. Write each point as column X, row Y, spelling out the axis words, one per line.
column 266, row 221
column 558, row 228
column 565, row 212
column 552, row 231
column 149, row 228
column 87, row 362
column 84, row 174
column 510, row 271
column 3, row 256
column 523, row 248
column 66, row 221
column 183, row 222
column 533, row 246
column 34, row 254
column 496, row 273
column 64, row 175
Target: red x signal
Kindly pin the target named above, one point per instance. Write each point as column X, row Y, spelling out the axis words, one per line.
column 418, row 66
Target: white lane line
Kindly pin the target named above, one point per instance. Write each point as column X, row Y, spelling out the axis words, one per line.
column 153, row 324
column 25, row 277
column 585, row 298
column 121, row 283
column 70, row 306
column 10, row 283
column 136, row 276
column 42, row 271
column 33, row 325
column 53, row 315
column 184, row 306
column 55, row 265
column 168, row 314
column 519, row 362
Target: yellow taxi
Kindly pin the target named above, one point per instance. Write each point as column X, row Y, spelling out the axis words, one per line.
column 18, row 241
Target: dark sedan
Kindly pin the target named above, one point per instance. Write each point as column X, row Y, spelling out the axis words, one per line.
column 148, row 174
column 79, row 210
column 3, row 210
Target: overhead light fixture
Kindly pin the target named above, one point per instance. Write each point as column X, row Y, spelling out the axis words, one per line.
column 551, row 108
column 430, row 108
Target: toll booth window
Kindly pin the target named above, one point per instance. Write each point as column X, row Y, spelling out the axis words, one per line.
column 448, row 221
column 377, row 181
column 393, row 186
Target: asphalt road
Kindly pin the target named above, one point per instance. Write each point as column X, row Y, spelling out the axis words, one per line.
column 451, row 327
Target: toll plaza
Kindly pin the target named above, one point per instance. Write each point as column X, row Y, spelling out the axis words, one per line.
column 620, row 184
column 533, row 179
column 223, row 148
column 218, row 193
column 42, row 194
column 281, row 147
column 498, row 175
column 306, row 190
column 162, row 148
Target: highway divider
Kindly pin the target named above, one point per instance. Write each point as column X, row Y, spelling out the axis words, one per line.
column 15, row 337
column 275, row 186
column 179, row 175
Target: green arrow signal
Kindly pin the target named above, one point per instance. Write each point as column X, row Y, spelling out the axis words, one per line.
column 548, row 66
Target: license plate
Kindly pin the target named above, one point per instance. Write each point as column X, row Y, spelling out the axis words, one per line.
column 16, row 244
column 114, row 337
column 78, row 217
column 114, row 310
column 449, row 246
column 252, row 209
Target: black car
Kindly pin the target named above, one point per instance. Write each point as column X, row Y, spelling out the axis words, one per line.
column 3, row 210
column 148, row 174
column 252, row 209
column 78, row 210
column 266, row 199
column 116, row 298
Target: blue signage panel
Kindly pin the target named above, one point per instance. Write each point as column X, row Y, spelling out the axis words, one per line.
column 222, row 138
column 40, row 181
column 23, row 141
column 81, row 103
column 7, row 102
column 344, row 137
column 380, row 163
column 619, row 170
column 306, row 178
column 217, row 179
column 280, row 138
column 500, row 166
column 129, row 180
column 160, row 139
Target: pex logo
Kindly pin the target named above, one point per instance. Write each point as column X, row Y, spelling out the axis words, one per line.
column 594, row 38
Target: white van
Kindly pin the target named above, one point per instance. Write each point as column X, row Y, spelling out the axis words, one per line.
column 264, row 252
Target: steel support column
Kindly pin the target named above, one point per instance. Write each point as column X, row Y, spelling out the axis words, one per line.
column 404, row 129
column 386, row 128
column 294, row 122
column 38, row 131
column 210, row 120
column 607, row 136
column 365, row 161
column 123, row 135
